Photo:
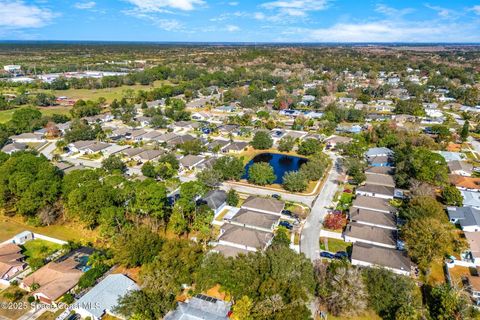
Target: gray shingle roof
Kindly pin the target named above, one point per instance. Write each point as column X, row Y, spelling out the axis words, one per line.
column 380, row 256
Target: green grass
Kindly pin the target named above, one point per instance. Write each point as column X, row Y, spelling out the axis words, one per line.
column 40, row 249
column 6, row 115
column 12, row 226
column 335, row 245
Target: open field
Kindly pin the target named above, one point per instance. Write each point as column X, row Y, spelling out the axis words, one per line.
column 40, row 249
column 11, row 226
column 6, row 115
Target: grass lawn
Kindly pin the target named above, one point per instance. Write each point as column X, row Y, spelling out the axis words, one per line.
column 48, row 315
column 335, row 245
column 6, row 115
column 20, row 307
column 437, row 275
column 12, row 226
column 38, row 248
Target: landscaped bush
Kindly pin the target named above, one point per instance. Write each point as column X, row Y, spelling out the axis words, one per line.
column 335, row 221
column 89, row 278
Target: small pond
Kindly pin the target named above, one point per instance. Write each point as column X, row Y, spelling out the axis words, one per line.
column 281, row 164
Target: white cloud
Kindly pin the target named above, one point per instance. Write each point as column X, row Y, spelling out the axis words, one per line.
column 162, row 5
column 476, row 9
column 17, row 14
column 165, row 24
column 296, row 8
column 233, row 3
column 389, row 31
column 392, row 12
column 442, row 12
column 85, row 5
column 232, row 28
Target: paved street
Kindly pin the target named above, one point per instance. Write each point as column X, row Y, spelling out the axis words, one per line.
column 308, row 200
column 309, row 244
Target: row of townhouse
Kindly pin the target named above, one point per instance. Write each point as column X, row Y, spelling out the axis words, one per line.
column 251, row 228
column 372, row 226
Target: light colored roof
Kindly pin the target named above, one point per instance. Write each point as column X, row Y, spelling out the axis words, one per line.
column 150, row 154
column 191, row 160
column 200, row 307
column 245, row 236
column 10, row 257
column 456, row 165
column 471, row 199
column 467, row 216
column 104, row 296
column 375, row 152
column 369, row 233
column 264, row 204
column 473, row 239
column 383, row 257
column 215, row 198
column 256, row 219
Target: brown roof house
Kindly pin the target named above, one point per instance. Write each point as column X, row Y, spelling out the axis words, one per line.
column 245, row 238
column 357, row 232
column 53, row 280
column 11, row 262
column 373, row 256
column 385, row 220
column 266, row 205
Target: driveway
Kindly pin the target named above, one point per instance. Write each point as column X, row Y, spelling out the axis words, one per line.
column 309, row 243
column 475, row 144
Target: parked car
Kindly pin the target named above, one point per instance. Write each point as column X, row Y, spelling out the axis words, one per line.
column 286, row 224
column 287, row 213
column 341, row 255
column 276, row 196
column 325, row 254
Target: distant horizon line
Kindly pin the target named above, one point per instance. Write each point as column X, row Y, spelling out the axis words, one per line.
column 243, row 43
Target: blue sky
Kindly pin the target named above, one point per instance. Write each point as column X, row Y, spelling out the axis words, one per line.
column 241, row 21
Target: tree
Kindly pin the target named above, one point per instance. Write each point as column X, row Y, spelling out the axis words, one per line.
column 286, row 144
column 114, row 163
column 261, row 173
column 390, row 294
column 315, row 167
column 262, row 140
column 210, row 177
column 194, row 147
column 232, row 198
column 465, row 130
column 427, row 239
column 356, row 170
column 309, row 147
column 345, row 293
column 446, row 302
column 242, row 309
column 295, row 181
column 135, row 247
column 230, row 167
column 25, row 120
column 281, row 238
column 335, row 221
column 424, row 207
column 451, row 196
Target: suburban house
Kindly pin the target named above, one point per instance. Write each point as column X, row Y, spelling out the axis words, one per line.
column 150, row 136
column 236, row 147
column 148, row 155
column 218, row 145
column 373, row 204
column 53, row 280
column 465, row 183
column 11, row 262
column 216, row 200
column 255, row 220
column 102, row 298
column 201, row 307
column 28, row 138
column 460, row 168
column 14, row 147
column 467, row 217
column 377, row 191
column 451, row 156
column 358, row 232
column 22, row 237
column 471, row 199
column 177, row 140
column 379, row 157
column 385, row 220
column 245, row 238
column 473, row 287
column 472, row 255
column 333, row 141
column 190, row 162
column 87, row 146
column 366, row 255
column 266, row 205
column 379, row 179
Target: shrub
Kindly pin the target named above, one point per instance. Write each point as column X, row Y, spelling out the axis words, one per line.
column 335, row 221
column 89, row 278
